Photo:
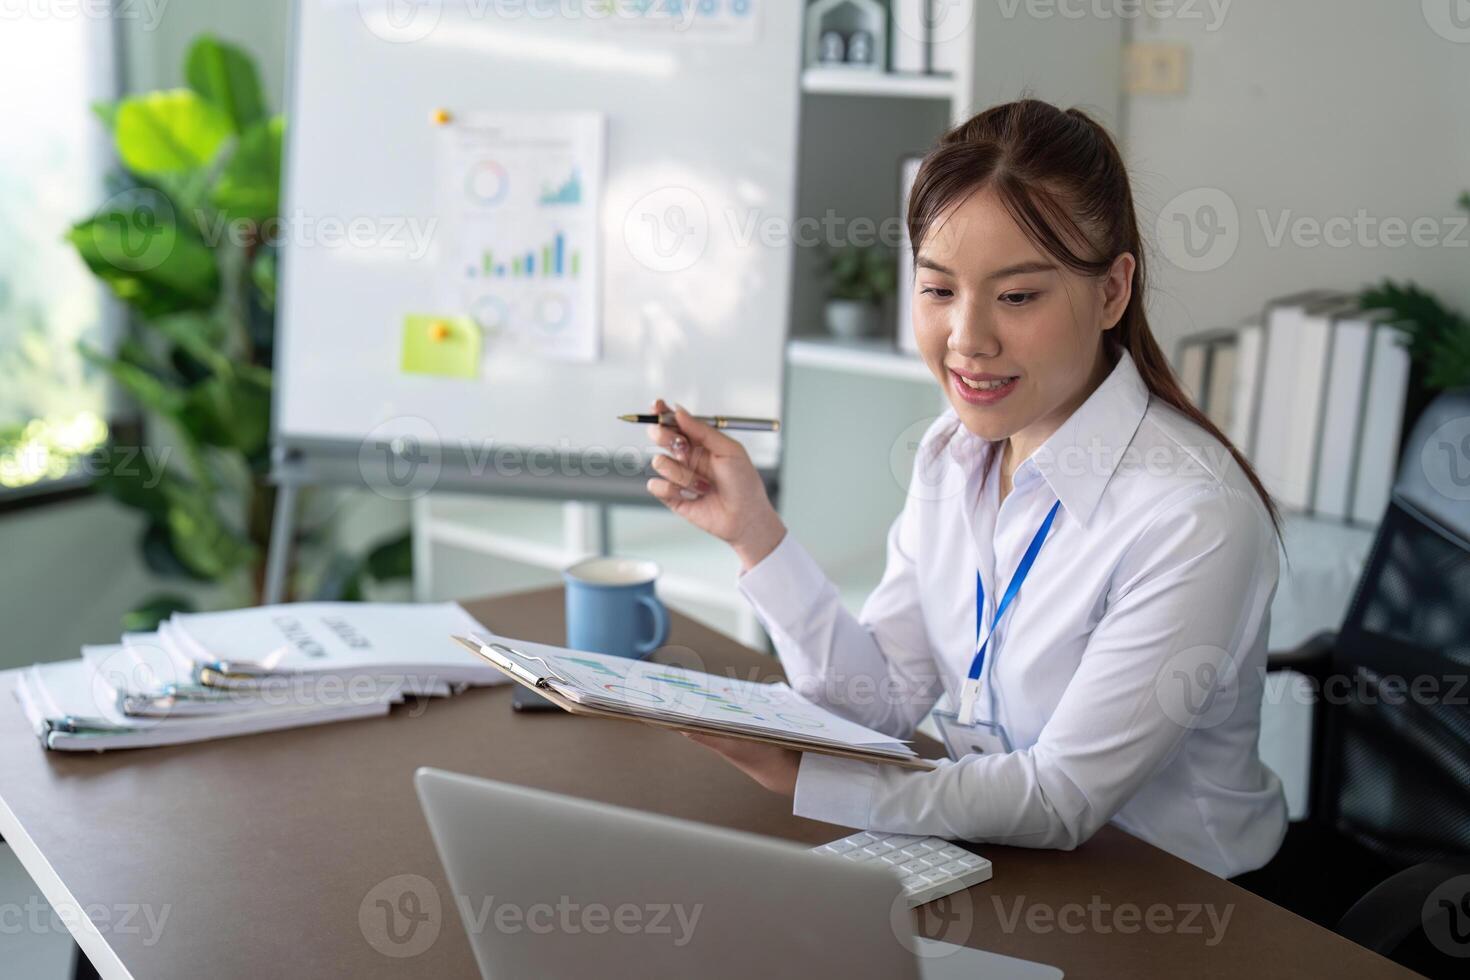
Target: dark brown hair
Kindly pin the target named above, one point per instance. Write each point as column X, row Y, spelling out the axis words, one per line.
column 1060, row 176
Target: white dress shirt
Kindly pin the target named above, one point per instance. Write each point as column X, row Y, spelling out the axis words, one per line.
column 1127, row 671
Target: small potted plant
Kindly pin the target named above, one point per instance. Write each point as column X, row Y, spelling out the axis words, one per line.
column 860, row 279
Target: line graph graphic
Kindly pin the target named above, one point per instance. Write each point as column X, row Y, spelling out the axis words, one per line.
column 634, row 694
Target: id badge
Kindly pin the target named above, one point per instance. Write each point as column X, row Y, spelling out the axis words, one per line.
column 981, row 738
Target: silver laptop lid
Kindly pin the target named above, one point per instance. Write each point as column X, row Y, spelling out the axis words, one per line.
column 553, row 886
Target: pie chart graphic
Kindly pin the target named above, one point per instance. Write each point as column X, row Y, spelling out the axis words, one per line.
column 487, row 183
column 490, row 313
column 552, row 313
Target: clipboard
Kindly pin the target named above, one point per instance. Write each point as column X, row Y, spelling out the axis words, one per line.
column 542, row 685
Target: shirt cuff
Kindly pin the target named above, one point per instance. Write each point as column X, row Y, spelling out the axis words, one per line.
column 784, row 586
column 834, row 790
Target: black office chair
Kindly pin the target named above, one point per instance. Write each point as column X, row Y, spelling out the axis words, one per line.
column 1388, row 835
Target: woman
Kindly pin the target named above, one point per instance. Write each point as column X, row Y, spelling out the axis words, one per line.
column 1084, row 565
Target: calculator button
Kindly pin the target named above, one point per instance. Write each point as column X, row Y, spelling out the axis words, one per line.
column 926, row 868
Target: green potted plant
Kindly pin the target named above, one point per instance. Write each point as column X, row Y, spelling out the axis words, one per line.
column 859, row 280
column 187, row 243
column 1437, row 337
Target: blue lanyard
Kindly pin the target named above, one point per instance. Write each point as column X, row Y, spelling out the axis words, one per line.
column 1022, row 570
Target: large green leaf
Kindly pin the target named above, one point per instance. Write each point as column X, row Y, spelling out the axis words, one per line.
column 157, row 547
column 203, row 542
column 1450, row 361
column 342, row 581
column 170, row 132
column 106, row 112
column 147, row 617
column 1438, row 337
column 263, row 274
column 250, row 186
column 152, row 263
column 231, row 413
column 226, row 76
column 229, row 409
column 392, row 559
column 203, row 338
column 199, row 335
column 152, row 392
column 132, row 479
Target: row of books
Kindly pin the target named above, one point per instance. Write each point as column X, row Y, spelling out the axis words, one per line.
column 216, row 675
column 1313, row 392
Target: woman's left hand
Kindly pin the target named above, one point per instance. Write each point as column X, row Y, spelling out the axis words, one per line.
column 770, row 765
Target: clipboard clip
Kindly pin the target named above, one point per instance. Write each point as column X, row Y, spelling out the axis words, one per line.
column 512, row 655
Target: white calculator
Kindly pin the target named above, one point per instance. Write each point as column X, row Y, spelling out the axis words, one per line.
column 927, row 867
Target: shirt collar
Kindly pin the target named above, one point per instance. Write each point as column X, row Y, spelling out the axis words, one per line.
column 1081, row 457
column 1083, row 454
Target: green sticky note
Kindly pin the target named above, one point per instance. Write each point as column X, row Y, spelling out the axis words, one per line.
column 442, row 346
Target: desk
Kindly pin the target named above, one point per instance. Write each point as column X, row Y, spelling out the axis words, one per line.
column 260, row 850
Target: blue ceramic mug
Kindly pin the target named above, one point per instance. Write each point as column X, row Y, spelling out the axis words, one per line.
column 612, row 608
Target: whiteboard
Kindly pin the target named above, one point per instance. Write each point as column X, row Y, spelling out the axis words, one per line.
column 699, row 181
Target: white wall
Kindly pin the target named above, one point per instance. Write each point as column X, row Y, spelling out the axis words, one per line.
column 1029, row 48
column 70, row 571
column 1306, row 109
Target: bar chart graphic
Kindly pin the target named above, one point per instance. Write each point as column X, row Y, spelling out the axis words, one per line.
column 553, row 259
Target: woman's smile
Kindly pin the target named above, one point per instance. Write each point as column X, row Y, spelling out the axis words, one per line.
column 982, row 388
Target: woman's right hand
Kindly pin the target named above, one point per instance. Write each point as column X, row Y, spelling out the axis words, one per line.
column 709, row 480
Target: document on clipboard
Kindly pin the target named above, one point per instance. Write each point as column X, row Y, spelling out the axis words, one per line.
column 601, row 686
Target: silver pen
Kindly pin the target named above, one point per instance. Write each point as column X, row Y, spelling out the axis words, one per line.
column 715, row 421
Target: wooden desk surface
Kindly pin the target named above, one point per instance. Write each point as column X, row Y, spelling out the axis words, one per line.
column 261, row 850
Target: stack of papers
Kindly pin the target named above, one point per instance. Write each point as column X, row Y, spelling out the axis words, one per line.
column 674, row 694
column 216, row 675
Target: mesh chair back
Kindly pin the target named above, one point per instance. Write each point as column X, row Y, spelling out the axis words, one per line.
column 1396, row 776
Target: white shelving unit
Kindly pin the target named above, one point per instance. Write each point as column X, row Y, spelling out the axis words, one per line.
column 698, row 572
column 847, row 81
column 878, row 358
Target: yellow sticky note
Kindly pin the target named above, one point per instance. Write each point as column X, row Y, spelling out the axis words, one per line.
column 442, row 346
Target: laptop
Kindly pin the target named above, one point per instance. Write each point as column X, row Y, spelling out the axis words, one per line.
column 554, row 886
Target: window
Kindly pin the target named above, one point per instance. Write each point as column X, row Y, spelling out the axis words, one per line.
column 55, row 62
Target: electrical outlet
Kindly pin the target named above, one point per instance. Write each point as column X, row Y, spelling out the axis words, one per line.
column 1156, row 68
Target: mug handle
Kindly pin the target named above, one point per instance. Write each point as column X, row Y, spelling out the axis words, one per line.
column 660, row 625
